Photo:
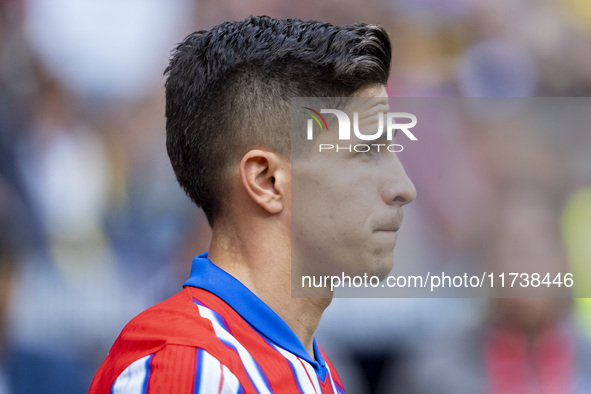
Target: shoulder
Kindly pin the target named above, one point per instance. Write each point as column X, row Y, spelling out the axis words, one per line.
column 175, row 321
column 167, row 339
column 174, row 369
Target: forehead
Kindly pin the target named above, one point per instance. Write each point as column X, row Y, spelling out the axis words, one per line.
column 313, row 123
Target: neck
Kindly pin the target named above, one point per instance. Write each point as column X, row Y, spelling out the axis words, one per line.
column 265, row 269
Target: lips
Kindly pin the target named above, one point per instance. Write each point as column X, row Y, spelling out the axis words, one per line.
column 389, row 230
column 388, row 236
column 391, row 224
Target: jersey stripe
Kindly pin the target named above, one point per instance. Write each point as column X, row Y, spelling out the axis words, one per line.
column 305, row 383
column 261, row 348
column 334, row 376
column 134, row 379
column 212, row 377
column 172, row 370
column 198, row 365
column 231, row 384
column 311, row 372
column 253, row 370
column 209, row 374
column 332, row 382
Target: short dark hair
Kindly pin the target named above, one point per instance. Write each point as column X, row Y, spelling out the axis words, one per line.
column 229, row 89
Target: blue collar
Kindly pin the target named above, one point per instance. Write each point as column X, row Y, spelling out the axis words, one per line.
column 208, row 276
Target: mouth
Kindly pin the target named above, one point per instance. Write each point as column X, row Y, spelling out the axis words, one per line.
column 386, row 229
column 391, row 224
column 393, row 229
column 387, row 232
column 387, row 237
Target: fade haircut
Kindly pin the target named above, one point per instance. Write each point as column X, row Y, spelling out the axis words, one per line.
column 229, row 91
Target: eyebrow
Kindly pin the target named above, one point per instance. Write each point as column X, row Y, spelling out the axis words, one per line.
column 374, row 123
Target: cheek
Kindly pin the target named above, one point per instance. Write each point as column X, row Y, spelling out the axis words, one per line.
column 339, row 199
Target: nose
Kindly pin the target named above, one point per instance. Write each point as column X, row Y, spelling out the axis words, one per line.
column 397, row 189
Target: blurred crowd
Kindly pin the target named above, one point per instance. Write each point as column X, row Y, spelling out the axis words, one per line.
column 94, row 228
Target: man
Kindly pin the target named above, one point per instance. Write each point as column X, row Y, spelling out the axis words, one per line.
column 234, row 327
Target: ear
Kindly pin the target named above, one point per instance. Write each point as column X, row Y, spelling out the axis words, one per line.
column 265, row 177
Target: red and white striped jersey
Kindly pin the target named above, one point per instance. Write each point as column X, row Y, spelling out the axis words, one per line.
column 215, row 336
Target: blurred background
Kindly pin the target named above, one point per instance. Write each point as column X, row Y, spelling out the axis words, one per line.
column 94, row 229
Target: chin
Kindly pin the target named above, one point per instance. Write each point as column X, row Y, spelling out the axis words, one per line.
column 383, row 270
column 379, row 265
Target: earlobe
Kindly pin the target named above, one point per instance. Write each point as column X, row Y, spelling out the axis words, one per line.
column 259, row 173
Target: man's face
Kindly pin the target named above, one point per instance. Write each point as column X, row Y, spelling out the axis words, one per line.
column 347, row 206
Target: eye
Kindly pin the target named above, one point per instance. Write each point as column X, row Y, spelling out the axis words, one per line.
column 366, row 155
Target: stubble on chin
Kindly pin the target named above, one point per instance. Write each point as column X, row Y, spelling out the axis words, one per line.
column 379, row 266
